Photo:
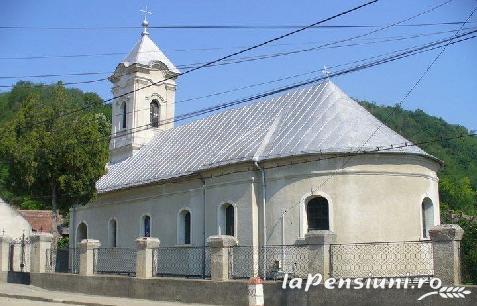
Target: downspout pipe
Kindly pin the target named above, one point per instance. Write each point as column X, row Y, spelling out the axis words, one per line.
column 264, row 210
column 204, row 225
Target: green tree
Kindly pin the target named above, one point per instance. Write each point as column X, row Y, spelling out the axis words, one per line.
column 52, row 149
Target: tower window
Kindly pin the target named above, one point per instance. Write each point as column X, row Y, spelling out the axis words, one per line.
column 154, row 113
column 123, row 115
column 317, row 214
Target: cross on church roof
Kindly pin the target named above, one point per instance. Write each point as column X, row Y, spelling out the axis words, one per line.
column 326, row 72
column 145, row 23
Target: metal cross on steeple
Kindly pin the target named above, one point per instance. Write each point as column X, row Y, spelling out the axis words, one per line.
column 145, row 23
column 326, row 73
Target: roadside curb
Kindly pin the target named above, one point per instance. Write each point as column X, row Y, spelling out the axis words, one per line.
column 50, row 300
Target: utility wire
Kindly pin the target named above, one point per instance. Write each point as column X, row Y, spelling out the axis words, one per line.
column 238, row 61
column 226, row 27
column 401, row 52
column 211, row 109
column 265, row 56
column 262, row 95
column 230, row 55
column 369, row 41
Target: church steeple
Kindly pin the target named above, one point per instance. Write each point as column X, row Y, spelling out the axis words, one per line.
column 144, row 84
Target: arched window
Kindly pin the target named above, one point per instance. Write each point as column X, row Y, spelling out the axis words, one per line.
column 146, row 226
column 318, row 214
column 154, row 113
column 113, row 233
column 81, row 232
column 226, row 219
column 427, row 216
column 229, row 220
column 184, row 227
column 124, row 115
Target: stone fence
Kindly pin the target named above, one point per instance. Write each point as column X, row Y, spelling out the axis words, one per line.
column 222, row 259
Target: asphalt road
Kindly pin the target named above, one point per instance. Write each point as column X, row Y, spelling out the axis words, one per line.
column 19, row 295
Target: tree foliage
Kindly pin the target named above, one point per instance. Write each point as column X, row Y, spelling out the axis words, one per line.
column 458, row 176
column 54, row 152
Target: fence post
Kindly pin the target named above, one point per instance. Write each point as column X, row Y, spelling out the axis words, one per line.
column 319, row 260
column 87, row 247
column 144, row 256
column 446, row 252
column 4, row 253
column 40, row 242
column 219, row 256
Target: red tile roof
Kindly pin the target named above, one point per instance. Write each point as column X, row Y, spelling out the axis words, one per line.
column 40, row 220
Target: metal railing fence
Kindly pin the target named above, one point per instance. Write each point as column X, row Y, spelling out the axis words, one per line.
column 186, row 261
column 382, row 259
column 270, row 261
column 115, row 261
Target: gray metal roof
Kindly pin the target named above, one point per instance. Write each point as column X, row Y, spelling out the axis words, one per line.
column 146, row 52
column 314, row 119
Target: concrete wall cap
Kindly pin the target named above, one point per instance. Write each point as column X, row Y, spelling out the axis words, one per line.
column 221, row 241
column 320, row 237
column 89, row 244
column 143, row 243
column 41, row 237
column 446, row 232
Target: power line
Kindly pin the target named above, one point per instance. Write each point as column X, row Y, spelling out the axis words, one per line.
column 259, row 57
column 227, row 27
column 235, row 61
column 203, row 111
column 379, row 39
column 221, row 106
column 401, row 52
column 263, row 56
column 233, row 54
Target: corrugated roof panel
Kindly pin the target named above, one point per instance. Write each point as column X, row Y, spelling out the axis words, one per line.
column 313, row 119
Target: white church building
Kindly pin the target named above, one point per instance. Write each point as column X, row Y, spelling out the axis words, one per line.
column 266, row 173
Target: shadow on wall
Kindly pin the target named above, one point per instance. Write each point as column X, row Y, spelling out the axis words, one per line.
column 22, row 278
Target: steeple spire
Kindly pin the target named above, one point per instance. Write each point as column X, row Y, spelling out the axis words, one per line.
column 145, row 23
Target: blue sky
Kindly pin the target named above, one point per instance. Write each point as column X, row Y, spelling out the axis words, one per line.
column 449, row 91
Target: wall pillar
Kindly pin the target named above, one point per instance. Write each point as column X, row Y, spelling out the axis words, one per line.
column 319, row 252
column 144, row 256
column 219, row 256
column 40, row 243
column 446, row 252
column 4, row 253
column 87, row 247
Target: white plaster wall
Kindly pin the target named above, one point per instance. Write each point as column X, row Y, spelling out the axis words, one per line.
column 374, row 198
column 163, row 203
column 12, row 222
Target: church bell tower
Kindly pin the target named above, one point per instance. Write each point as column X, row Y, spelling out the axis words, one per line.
column 144, row 86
